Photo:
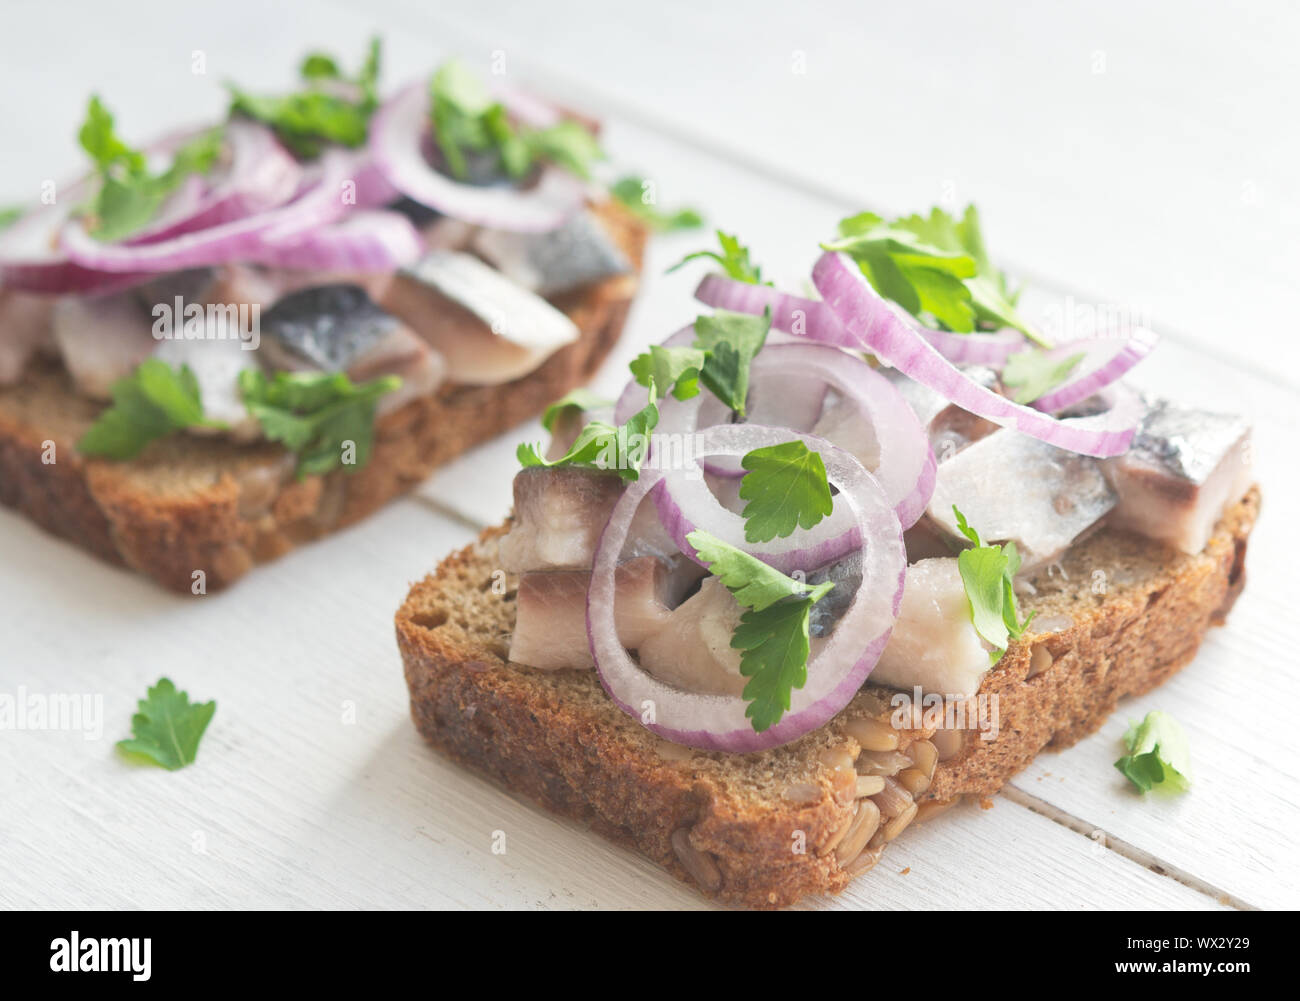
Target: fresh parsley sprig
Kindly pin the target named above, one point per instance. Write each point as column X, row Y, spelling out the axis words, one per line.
column 580, row 399
column 733, row 259
column 466, row 119
column 9, row 216
column 675, row 370
column 786, row 488
column 935, row 267
column 773, row 630
column 1034, row 373
column 316, row 415
column 731, row 340
column 631, row 192
column 152, row 402
column 988, row 574
column 604, row 446
column 330, row 108
column 1158, row 754
column 167, row 727
column 129, row 194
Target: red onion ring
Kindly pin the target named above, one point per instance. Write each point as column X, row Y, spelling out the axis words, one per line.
column 319, row 201
column 718, row 722
column 810, row 318
column 879, row 329
column 1106, row 359
column 368, row 241
column 397, row 134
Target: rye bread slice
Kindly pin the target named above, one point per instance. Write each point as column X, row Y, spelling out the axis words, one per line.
column 728, row 823
column 189, row 503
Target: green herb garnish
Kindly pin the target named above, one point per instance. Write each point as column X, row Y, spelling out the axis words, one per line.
column 331, row 108
column 604, row 446
column 786, row 488
column 773, row 631
column 1034, row 373
column 467, row 119
column 167, row 727
column 9, row 216
column 152, row 402
column 579, row 399
column 129, row 194
column 675, row 370
column 733, row 259
column 631, row 192
column 1158, row 754
column 935, row 267
column 731, row 340
column 322, row 417
column 988, row 574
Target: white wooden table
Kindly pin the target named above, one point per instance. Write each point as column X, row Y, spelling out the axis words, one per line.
column 1131, row 154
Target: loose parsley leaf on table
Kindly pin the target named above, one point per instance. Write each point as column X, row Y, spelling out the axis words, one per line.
column 1158, row 754
column 129, row 194
column 316, row 415
column 773, row 631
column 631, row 192
column 167, row 727
column 988, row 574
column 1034, row 373
column 734, row 260
column 310, row 119
column 786, row 487
column 153, row 402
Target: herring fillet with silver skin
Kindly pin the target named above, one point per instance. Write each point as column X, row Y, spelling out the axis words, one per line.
column 339, row 328
column 488, row 328
column 1014, row 487
column 1184, row 467
column 576, row 253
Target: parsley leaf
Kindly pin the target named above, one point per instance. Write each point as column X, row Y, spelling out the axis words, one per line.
column 786, row 487
column 129, row 195
column 580, row 399
column 935, row 267
column 734, row 260
column 675, row 369
column 731, row 340
column 773, row 631
column 1158, row 754
column 988, row 574
column 1035, row 373
column 167, row 727
column 9, row 216
column 601, row 445
column 316, row 415
column 632, row 192
column 752, row 582
column 465, row 118
column 153, row 402
column 308, row 120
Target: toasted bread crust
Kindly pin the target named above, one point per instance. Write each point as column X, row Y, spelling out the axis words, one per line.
column 558, row 739
column 189, row 504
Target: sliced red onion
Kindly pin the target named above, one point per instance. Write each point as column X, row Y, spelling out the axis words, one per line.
column 261, row 175
column 397, row 141
column 371, row 240
column 718, row 722
column 811, row 318
column 31, row 260
column 1106, row 359
column 320, row 200
column 880, row 330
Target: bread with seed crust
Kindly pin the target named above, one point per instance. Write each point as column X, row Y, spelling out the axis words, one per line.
column 188, row 503
column 728, row 823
